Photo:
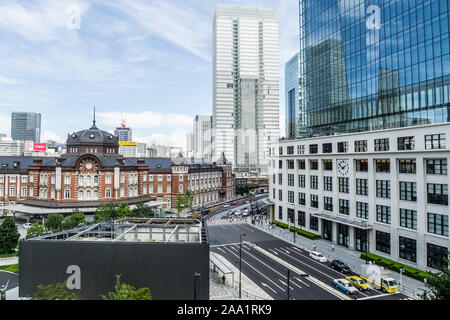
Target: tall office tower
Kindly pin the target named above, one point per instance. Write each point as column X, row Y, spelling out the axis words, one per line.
column 245, row 85
column 189, row 143
column 202, row 136
column 373, row 65
column 26, row 126
column 295, row 117
column 124, row 133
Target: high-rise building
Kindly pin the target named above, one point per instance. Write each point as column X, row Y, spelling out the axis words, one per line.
column 295, row 117
column 371, row 173
column 373, row 66
column 124, row 133
column 203, row 137
column 9, row 147
column 245, row 85
column 26, row 126
column 189, row 142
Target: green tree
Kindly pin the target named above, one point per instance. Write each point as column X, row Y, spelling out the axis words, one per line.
column 58, row 291
column 54, row 222
column 181, row 202
column 74, row 220
column 125, row 291
column 141, row 210
column 105, row 212
column 246, row 189
column 124, row 210
column 9, row 236
column 35, row 230
column 439, row 284
column 189, row 199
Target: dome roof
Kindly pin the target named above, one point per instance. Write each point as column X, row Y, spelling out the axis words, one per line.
column 92, row 135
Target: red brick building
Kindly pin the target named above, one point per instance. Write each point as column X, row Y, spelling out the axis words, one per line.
column 93, row 172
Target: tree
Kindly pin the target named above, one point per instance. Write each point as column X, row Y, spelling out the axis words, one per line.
column 35, row 230
column 74, row 220
column 189, row 199
column 58, row 291
column 105, row 212
column 54, row 222
column 246, row 189
column 124, row 210
column 9, row 236
column 181, row 201
column 141, row 210
column 125, row 291
column 439, row 284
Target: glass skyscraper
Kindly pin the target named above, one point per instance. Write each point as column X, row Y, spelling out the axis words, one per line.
column 26, row 126
column 373, row 64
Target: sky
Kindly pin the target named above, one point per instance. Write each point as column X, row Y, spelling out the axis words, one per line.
column 148, row 62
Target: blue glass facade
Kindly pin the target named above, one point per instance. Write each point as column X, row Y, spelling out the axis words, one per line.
column 373, row 64
column 294, row 116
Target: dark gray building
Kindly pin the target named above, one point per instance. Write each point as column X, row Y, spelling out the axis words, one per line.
column 26, row 126
column 169, row 256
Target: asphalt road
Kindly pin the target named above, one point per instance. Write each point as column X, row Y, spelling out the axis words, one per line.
column 268, row 267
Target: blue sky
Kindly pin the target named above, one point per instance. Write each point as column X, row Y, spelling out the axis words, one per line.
column 150, row 61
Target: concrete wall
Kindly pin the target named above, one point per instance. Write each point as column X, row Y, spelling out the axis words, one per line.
column 167, row 269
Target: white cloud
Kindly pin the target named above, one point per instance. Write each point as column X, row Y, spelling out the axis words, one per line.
column 38, row 21
column 50, row 135
column 5, row 124
column 5, row 80
column 147, row 120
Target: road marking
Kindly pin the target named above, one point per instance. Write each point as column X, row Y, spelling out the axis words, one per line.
column 377, row 296
column 285, row 284
column 301, row 281
column 221, row 250
column 266, row 285
column 274, row 252
column 256, row 270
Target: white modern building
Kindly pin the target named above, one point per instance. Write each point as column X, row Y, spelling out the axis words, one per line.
column 202, row 137
column 10, row 147
column 245, row 85
column 382, row 190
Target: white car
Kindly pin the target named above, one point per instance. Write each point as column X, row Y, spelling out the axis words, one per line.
column 317, row 256
column 345, row 286
column 237, row 213
column 27, row 225
column 226, row 205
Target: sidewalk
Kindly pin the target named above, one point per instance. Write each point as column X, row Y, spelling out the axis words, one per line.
column 8, row 261
column 352, row 258
column 230, row 291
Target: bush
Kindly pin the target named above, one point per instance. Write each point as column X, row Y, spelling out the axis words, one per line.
column 396, row 266
column 301, row 232
column 9, row 236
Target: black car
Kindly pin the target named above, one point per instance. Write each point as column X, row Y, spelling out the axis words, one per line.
column 340, row 266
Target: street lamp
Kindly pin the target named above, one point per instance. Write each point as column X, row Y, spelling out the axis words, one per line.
column 196, row 276
column 240, row 261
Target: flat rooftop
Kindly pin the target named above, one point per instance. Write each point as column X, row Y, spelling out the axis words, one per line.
column 144, row 230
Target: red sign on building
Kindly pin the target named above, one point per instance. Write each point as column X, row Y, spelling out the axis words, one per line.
column 40, row 147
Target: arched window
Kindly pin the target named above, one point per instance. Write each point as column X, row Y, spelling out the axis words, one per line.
column 88, row 180
column 80, row 195
column 95, row 194
column 96, row 179
column 88, row 195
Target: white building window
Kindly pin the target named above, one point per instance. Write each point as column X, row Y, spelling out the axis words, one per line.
column 2, row 179
column 24, row 191
column 180, row 188
column 160, row 177
column 67, row 193
column 80, row 195
column 122, row 192
column 150, row 189
column 12, row 191
column 12, row 179
column 108, row 193
column 96, row 194
column 108, row 179
column 150, row 177
column 180, row 177
column 24, row 179
column 67, row 179
column 160, row 188
column 169, row 188
column 169, row 177
column 122, row 178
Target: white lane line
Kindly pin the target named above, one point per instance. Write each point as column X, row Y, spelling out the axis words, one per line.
column 267, row 286
column 285, row 284
column 377, row 296
column 256, row 270
column 221, row 250
column 302, row 282
column 274, row 252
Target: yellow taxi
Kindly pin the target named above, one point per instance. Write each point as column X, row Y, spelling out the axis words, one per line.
column 359, row 283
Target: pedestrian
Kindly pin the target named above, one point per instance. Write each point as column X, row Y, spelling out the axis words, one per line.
column 314, row 247
column 223, row 279
column 332, row 247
